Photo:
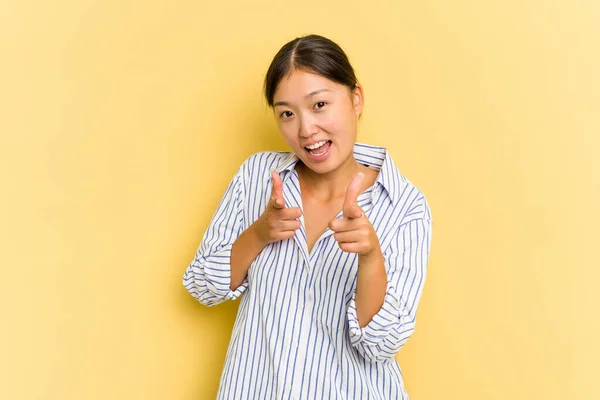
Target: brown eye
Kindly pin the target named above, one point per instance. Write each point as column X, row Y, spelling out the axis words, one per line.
column 320, row 105
column 286, row 114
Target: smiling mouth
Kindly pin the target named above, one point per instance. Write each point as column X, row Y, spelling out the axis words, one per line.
column 319, row 148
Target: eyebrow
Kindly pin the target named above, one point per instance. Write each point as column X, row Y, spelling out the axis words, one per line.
column 311, row 94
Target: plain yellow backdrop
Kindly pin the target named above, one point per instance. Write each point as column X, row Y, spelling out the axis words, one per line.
column 122, row 122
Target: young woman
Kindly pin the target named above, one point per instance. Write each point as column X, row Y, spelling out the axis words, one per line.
column 328, row 243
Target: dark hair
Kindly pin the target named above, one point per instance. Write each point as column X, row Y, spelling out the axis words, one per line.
column 312, row 53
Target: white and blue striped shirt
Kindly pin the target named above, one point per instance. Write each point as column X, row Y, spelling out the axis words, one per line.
column 296, row 335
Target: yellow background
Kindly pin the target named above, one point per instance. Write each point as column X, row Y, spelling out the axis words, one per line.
column 123, row 121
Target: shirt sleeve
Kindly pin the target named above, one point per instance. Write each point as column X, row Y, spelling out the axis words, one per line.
column 406, row 265
column 208, row 276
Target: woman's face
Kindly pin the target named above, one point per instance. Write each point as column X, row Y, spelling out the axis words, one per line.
column 318, row 119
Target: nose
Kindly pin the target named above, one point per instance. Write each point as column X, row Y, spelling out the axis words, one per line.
column 308, row 127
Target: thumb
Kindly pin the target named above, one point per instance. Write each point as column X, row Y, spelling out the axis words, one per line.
column 352, row 193
column 277, row 190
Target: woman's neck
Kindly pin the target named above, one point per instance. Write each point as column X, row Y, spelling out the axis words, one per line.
column 331, row 185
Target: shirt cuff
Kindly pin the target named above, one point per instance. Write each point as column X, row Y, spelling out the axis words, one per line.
column 383, row 322
column 217, row 270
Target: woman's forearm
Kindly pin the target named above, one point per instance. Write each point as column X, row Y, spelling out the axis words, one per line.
column 244, row 250
column 371, row 287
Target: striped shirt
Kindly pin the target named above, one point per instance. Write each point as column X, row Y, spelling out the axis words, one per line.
column 296, row 335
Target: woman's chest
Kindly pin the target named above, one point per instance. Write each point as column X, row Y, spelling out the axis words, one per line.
column 317, row 216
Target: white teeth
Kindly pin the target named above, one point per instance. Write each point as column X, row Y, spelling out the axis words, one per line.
column 316, row 145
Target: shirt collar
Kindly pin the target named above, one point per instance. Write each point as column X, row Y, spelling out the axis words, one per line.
column 389, row 177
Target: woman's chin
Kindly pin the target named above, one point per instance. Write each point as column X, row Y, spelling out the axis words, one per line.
column 320, row 167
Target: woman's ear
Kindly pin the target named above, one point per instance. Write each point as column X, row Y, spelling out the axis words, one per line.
column 358, row 99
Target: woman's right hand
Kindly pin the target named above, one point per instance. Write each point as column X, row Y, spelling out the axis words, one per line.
column 277, row 222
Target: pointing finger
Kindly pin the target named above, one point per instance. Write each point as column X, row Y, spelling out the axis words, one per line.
column 353, row 212
column 277, row 191
column 291, row 213
column 352, row 194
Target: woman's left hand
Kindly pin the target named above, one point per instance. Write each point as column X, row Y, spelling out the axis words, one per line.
column 354, row 232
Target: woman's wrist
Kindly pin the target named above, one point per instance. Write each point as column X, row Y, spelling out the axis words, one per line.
column 373, row 258
column 259, row 241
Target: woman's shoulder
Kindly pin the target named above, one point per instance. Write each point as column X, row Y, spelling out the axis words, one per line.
column 262, row 162
column 403, row 192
